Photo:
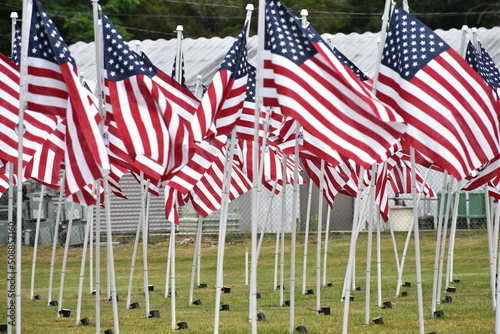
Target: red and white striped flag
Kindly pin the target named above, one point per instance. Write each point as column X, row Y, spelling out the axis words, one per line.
column 449, row 108
column 310, row 84
column 206, row 196
column 54, row 88
column 37, row 126
column 222, row 104
column 136, row 104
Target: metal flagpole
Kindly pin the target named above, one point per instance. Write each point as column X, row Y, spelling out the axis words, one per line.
column 379, row 265
column 195, row 257
column 318, row 238
column 407, row 243
column 282, row 244
column 65, row 258
column 490, row 244
column 306, row 237
column 369, row 247
column 10, row 217
column 35, row 245
column 55, row 240
column 256, row 172
column 27, row 13
column 416, row 232
column 173, row 312
column 451, row 242
column 90, row 221
column 438, row 245
column 263, row 229
column 111, row 261
column 443, row 241
column 134, row 258
column 352, row 250
column 144, row 225
column 222, row 227
column 294, row 231
column 327, row 235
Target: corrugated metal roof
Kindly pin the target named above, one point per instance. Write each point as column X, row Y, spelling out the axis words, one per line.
column 202, row 56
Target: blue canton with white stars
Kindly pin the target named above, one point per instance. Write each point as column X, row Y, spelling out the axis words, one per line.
column 120, row 61
column 347, row 62
column 410, row 45
column 284, row 34
column 250, row 92
column 236, row 59
column 483, row 65
column 16, row 46
column 45, row 41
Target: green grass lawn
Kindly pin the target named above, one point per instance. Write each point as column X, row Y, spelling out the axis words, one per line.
column 470, row 311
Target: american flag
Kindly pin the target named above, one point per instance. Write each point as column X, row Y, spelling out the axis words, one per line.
column 222, row 104
column 37, row 126
column 310, row 84
column 46, row 163
column 152, row 133
column 16, row 45
column 484, row 65
column 54, row 88
column 185, row 104
column 399, row 176
column 183, row 73
column 483, row 175
column 206, row 196
column 449, row 109
column 333, row 179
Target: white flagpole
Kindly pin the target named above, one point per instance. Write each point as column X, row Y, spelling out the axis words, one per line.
column 99, row 89
column 294, row 231
column 263, row 229
column 318, row 238
column 111, row 261
column 276, row 259
column 369, row 247
column 394, row 246
column 35, row 245
column 197, row 86
column 282, row 246
column 443, row 240
column 438, row 245
column 10, row 212
column 134, row 258
column 178, row 72
column 490, row 245
column 90, row 221
column 222, row 227
column 256, row 172
column 65, row 258
column 195, row 257
column 55, row 240
column 352, row 251
column 27, row 11
column 416, row 232
column 407, row 243
column 145, row 244
column 10, row 245
column 379, row 265
column 169, row 267
column 451, row 242
column 91, row 254
column 327, row 235
column 198, row 255
column 306, row 237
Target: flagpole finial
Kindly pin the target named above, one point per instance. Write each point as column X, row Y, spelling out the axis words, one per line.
column 304, row 13
column 13, row 15
column 179, row 28
column 249, row 7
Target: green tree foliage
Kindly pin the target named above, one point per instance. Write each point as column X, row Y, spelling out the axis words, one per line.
column 154, row 19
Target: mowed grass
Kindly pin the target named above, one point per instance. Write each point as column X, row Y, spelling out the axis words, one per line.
column 470, row 311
